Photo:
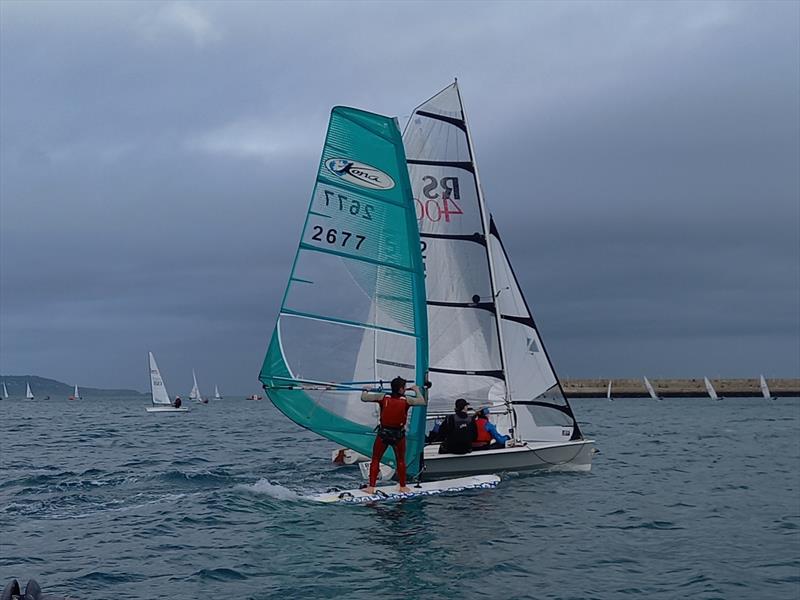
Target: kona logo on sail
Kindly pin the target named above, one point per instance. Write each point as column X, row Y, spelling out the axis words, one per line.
column 359, row 174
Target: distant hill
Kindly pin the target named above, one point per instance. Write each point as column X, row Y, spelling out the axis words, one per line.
column 42, row 386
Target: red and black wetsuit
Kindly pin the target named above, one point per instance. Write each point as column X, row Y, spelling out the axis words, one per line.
column 391, row 432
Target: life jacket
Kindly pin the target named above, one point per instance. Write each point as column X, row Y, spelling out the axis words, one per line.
column 483, row 436
column 460, row 435
column 394, row 411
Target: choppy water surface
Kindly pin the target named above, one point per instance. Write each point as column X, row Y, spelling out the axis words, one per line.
column 688, row 498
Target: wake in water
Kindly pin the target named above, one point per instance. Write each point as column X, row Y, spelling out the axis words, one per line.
column 273, row 490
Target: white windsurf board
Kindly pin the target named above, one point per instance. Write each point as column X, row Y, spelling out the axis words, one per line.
column 391, row 492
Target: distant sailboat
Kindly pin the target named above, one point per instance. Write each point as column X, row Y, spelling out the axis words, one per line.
column 76, row 395
column 650, row 389
column 28, row 393
column 5, row 390
column 217, row 395
column 608, row 392
column 765, row 389
column 161, row 401
column 710, row 389
column 195, row 393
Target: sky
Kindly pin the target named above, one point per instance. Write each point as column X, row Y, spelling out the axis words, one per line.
column 157, row 159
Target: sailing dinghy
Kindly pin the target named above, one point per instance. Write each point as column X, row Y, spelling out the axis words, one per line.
column 5, row 390
column 765, row 389
column 195, row 393
column 28, row 393
column 608, row 392
column 76, row 394
column 484, row 344
column 712, row 393
column 353, row 314
column 650, row 389
column 217, row 394
column 161, row 401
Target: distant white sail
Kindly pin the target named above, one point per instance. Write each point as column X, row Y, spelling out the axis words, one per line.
column 157, row 387
column 216, row 393
column 76, row 394
column 608, row 392
column 195, row 393
column 28, row 393
column 765, row 389
column 710, row 389
column 5, row 390
column 650, row 389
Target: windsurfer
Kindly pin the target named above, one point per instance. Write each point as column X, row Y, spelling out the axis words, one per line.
column 391, row 429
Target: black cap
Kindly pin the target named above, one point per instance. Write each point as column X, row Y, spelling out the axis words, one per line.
column 461, row 404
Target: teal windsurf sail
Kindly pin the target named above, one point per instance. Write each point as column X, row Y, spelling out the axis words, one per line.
column 354, row 312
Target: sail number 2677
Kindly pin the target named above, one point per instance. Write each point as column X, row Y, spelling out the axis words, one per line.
column 337, row 238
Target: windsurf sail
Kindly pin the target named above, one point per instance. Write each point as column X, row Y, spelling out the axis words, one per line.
column 484, row 344
column 28, row 393
column 764, row 388
column 650, row 389
column 5, row 390
column 710, row 389
column 157, row 387
column 353, row 313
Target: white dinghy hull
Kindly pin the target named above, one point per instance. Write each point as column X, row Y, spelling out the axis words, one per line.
column 531, row 456
column 166, row 409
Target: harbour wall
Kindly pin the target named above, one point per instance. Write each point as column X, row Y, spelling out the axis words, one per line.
column 678, row 388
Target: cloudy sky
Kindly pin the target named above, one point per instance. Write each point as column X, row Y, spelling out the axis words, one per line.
column 156, row 160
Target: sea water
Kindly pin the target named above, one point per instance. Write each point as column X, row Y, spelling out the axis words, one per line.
column 687, row 498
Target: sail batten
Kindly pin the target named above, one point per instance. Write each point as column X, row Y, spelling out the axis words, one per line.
column 356, row 291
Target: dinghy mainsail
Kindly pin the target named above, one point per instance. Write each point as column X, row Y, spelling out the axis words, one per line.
column 157, row 388
column 353, row 313
column 5, row 390
column 28, row 393
column 484, row 344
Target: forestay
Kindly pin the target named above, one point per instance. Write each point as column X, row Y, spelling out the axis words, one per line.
column 484, row 345
column 157, row 387
column 354, row 309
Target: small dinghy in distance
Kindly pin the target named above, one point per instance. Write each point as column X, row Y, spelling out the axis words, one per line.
column 161, row 401
column 650, row 390
column 388, row 493
column 712, row 393
column 765, row 389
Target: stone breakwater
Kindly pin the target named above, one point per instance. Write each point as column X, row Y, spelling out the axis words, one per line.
column 678, row 388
